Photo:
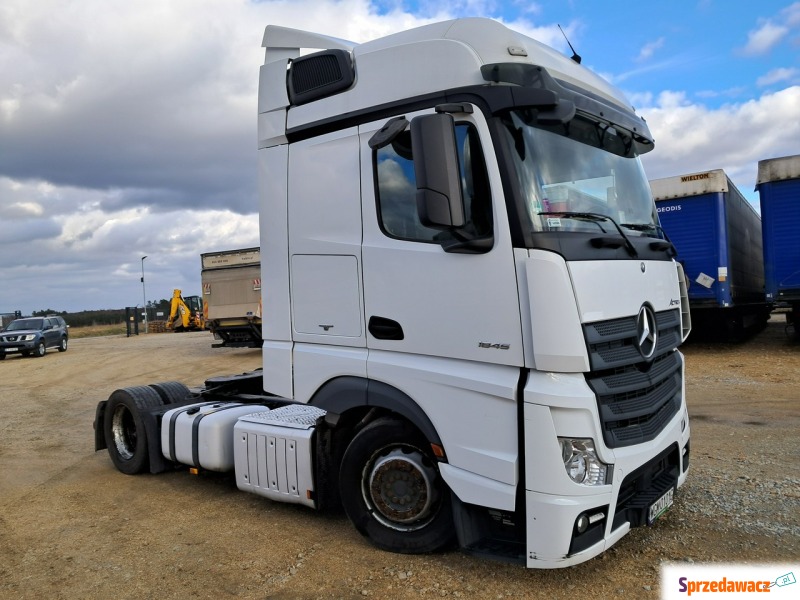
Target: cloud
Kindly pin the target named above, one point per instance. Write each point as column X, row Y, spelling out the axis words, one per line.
column 779, row 75
column 91, row 259
column 134, row 101
column 19, row 210
column 733, row 92
column 771, row 32
column 618, row 78
column 526, row 7
column 649, row 49
column 791, row 15
column 691, row 137
column 763, row 39
column 25, row 233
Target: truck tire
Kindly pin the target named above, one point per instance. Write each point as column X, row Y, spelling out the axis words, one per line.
column 124, row 430
column 392, row 491
column 41, row 350
column 62, row 347
column 171, row 391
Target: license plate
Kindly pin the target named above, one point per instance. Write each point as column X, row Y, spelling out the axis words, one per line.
column 660, row 506
column 12, row 349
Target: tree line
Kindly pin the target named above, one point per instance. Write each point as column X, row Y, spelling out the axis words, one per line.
column 111, row 316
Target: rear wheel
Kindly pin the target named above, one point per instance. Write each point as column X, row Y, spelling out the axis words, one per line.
column 392, row 491
column 171, row 391
column 124, row 430
column 62, row 347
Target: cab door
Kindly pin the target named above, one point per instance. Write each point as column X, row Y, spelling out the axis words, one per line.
column 419, row 297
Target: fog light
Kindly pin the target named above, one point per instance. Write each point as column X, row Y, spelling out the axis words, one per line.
column 582, row 523
column 582, row 463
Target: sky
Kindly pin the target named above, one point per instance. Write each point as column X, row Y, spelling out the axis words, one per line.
column 128, row 129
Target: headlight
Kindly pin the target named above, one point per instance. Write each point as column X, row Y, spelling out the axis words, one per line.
column 29, row 337
column 581, row 462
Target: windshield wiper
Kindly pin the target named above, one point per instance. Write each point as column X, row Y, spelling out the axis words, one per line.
column 648, row 227
column 606, row 241
column 664, row 243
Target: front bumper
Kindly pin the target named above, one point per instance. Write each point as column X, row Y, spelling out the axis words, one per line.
column 642, row 473
column 17, row 347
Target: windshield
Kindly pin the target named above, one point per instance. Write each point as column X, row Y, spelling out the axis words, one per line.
column 21, row 324
column 582, row 166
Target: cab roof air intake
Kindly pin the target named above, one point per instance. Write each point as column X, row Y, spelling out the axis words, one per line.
column 319, row 75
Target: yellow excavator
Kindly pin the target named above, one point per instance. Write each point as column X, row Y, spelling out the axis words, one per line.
column 185, row 314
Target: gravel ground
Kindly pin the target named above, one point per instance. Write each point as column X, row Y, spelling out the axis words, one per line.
column 71, row 526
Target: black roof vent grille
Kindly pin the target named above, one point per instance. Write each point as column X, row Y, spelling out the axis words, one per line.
column 320, row 75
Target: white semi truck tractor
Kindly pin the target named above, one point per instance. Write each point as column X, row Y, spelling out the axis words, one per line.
column 471, row 316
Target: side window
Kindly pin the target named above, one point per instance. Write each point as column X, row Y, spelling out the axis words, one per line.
column 396, row 189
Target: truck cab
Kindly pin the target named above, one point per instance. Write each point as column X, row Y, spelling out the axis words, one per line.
column 478, row 253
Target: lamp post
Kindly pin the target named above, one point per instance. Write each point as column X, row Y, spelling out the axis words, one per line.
column 144, row 297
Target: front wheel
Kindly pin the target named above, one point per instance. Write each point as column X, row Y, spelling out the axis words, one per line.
column 124, row 430
column 392, row 491
column 41, row 349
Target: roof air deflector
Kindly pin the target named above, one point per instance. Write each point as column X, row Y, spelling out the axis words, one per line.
column 285, row 42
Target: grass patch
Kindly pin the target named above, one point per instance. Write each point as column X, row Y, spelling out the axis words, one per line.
column 96, row 330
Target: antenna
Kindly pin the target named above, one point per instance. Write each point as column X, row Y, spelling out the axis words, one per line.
column 575, row 56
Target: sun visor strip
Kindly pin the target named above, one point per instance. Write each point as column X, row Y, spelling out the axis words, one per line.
column 522, row 76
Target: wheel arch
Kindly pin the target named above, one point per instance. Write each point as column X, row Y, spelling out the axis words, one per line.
column 343, row 394
column 352, row 403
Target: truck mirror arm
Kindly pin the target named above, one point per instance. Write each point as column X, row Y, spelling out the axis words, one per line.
column 386, row 134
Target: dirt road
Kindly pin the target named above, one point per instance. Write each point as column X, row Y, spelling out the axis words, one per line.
column 71, row 526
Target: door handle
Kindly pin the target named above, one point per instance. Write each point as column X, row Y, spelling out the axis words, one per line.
column 382, row 328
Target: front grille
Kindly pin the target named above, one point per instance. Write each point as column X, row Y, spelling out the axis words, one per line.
column 636, row 398
column 613, row 343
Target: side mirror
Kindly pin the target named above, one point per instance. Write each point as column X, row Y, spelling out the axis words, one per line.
column 439, row 201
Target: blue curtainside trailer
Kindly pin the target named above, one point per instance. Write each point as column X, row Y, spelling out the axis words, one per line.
column 778, row 187
column 717, row 234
